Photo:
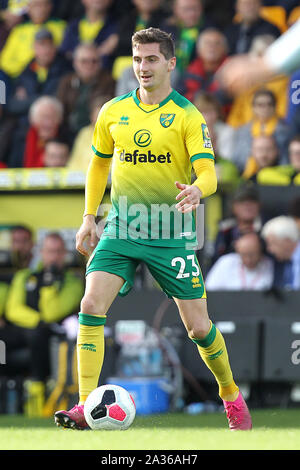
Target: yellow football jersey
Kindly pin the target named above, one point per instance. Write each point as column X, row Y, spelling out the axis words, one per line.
column 151, row 147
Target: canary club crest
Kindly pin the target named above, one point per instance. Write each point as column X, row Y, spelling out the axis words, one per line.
column 166, row 119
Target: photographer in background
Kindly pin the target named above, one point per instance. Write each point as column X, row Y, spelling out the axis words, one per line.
column 38, row 303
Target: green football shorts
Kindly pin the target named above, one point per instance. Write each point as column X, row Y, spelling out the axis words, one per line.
column 175, row 269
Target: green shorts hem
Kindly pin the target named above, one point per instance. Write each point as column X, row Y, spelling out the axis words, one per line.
column 125, row 289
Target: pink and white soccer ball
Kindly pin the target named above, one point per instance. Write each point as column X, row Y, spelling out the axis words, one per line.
column 109, row 407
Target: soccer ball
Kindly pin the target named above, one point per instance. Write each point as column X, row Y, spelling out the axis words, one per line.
column 109, row 407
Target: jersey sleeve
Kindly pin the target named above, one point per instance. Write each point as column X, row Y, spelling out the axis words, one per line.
column 102, row 142
column 197, row 138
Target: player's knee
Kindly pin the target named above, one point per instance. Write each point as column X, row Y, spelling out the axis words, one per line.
column 92, row 306
column 199, row 331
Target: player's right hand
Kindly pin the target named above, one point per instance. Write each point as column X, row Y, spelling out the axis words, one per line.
column 86, row 237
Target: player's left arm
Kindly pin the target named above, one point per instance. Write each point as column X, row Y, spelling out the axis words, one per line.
column 201, row 153
column 203, row 186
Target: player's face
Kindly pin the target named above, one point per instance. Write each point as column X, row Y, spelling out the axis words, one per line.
column 150, row 66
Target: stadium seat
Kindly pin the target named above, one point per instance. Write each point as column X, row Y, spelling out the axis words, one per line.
column 275, row 15
column 293, row 16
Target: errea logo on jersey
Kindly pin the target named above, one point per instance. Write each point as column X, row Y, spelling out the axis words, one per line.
column 124, row 120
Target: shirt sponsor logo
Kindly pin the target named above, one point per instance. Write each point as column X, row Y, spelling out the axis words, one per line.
column 142, row 138
column 149, row 157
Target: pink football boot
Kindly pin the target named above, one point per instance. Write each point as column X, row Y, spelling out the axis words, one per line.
column 73, row 418
column 238, row 414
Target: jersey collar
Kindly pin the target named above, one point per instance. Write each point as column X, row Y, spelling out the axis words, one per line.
column 148, row 108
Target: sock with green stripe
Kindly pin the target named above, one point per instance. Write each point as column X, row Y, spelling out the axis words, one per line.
column 213, row 351
column 90, row 352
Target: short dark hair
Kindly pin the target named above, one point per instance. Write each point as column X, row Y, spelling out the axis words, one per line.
column 155, row 35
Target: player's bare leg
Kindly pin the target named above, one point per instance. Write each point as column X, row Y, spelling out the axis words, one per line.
column 101, row 290
column 212, row 349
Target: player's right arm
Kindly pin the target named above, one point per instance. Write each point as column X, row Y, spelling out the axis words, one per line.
column 96, row 181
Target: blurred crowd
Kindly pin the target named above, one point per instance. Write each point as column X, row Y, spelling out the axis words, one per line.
column 60, row 61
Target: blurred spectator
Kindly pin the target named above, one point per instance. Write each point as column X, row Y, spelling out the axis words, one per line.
column 249, row 268
column 126, row 82
column 80, row 88
column 245, row 218
column 56, row 153
column 223, row 15
column 283, row 242
column 264, row 154
column 222, row 134
column 294, row 210
column 20, row 255
column 45, row 118
column 68, row 9
column 11, row 14
column 246, row 25
column 38, row 300
column 21, row 247
column 185, row 24
column 82, row 152
column 211, row 51
column 18, row 50
column 241, row 111
column 145, row 13
column 96, row 26
column 264, row 122
column 40, row 77
column 284, row 175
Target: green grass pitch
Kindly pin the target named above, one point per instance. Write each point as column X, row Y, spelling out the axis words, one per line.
column 272, row 430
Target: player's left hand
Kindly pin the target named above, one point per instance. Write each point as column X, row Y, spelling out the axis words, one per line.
column 190, row 196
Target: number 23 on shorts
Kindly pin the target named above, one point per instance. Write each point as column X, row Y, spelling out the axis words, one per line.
column 183, row 265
